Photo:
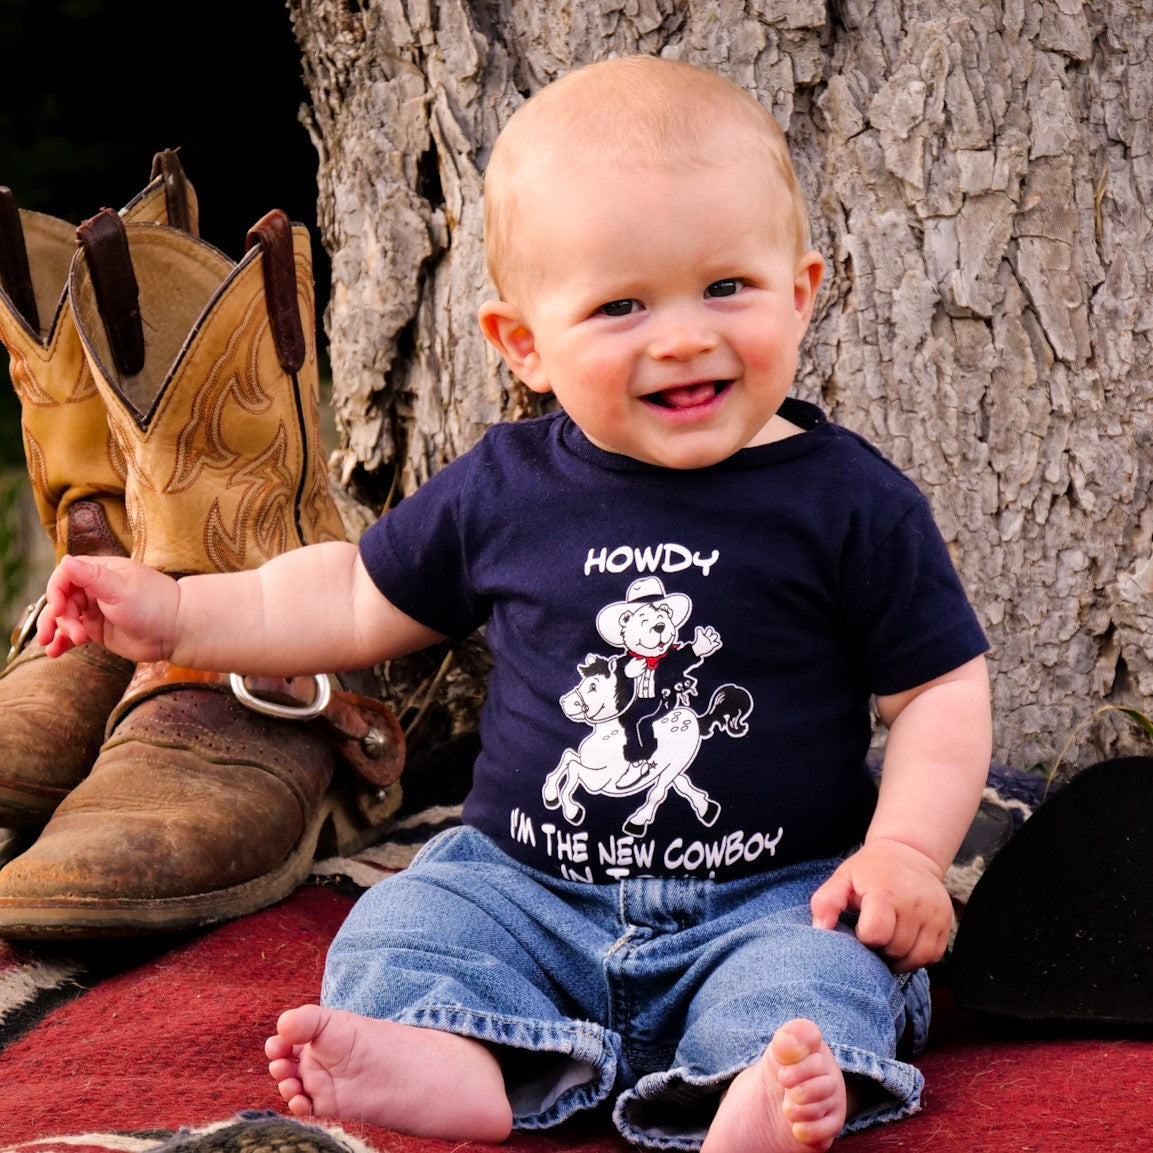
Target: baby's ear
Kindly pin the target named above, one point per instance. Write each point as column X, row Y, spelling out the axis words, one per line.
column 810, row 272
column 508, row 332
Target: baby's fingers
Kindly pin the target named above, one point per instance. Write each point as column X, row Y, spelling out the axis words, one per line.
column 46, row 625
column 831, row 900
column 920, row 945
column 88, row 574
column 60, row 631
column 56, row 643
column 877, row 925
column 927, row 950
column 907, row 938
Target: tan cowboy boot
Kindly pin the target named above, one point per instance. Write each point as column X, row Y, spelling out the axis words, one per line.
column 211, row 793
column 53, row 713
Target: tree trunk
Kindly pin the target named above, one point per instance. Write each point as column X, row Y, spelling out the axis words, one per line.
column 980, row 182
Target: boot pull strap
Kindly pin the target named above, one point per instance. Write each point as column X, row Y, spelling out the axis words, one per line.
column 15, row 275
column 167, row 165
column 105, row 244
column 273, row 233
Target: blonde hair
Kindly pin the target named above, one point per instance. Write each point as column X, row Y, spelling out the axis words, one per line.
column 640, row 110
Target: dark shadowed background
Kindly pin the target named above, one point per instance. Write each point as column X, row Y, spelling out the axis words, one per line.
column 91, row 89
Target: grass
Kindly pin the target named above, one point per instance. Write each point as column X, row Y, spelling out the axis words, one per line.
column 1134, row 716
column 26, row 554
column 13, row 562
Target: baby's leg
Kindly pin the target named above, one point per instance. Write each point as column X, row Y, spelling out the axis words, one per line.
column 425, row 1082
column 792, row 1101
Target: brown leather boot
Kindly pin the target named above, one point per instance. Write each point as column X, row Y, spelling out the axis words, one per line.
column 212, row 792
column 53, row 713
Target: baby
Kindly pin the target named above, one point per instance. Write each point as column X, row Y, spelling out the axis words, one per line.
column 676, row 887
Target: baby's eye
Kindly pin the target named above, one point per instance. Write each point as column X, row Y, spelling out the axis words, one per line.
column 619, row 307
column 723, row 287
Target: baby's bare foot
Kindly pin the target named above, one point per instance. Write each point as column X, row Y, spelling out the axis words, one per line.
column 792, row 1101
column 331, row 1063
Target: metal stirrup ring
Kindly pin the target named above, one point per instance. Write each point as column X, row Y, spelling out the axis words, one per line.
column 301, row 712
column 27, row 628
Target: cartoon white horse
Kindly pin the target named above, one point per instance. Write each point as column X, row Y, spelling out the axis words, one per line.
column 599, row 766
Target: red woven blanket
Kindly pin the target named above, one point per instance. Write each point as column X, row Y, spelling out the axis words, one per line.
column 133, row 1045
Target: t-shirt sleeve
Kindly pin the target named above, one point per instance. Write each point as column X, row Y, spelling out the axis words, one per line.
column 417, row 554
column 908, row 611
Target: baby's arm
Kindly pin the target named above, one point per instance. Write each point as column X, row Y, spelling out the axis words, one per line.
column 935, row 768
column 309, row 610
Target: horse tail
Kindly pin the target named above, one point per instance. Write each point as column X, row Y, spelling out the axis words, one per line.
column 729, row 711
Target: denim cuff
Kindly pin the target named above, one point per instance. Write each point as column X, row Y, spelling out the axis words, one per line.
column 901, row 1081
column 543, row 1092
column 674, row 1109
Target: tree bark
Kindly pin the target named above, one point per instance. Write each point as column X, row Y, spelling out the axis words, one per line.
column 981, row 184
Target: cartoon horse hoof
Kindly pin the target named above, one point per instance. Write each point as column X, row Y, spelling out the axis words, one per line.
column 635, row 828
column 709, row 816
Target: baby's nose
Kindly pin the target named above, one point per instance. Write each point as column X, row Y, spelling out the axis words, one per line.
column 683, row 334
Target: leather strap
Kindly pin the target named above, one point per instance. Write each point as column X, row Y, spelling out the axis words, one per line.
column 362, row 731
column 105, row 245
column 15, row 275
column 273, row 232
column 167, row 165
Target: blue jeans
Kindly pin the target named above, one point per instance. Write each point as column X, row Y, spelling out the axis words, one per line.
column 657, row 991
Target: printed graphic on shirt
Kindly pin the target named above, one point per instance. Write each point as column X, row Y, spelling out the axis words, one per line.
column 638, row 701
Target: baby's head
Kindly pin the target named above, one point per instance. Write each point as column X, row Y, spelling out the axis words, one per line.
column 645, row 230
column 643, row 111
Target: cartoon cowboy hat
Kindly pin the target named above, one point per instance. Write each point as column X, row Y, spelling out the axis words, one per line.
column 645, row 590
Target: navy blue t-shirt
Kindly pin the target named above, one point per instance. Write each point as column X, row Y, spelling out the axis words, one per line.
column 683, row 661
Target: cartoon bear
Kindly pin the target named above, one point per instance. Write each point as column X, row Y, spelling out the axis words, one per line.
column 646, row 625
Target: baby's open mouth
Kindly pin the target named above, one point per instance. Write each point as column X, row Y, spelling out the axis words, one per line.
column 689, row 395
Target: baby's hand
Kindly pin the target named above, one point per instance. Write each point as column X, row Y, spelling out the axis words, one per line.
column 122, row 604
column 903, row 908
